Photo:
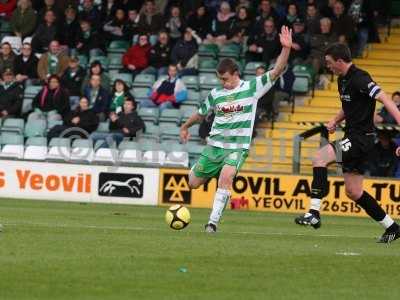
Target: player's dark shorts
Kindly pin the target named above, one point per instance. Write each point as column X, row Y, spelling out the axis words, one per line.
column 353, row 151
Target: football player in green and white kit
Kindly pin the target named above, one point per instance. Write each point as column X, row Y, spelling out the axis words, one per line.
column 235, row 106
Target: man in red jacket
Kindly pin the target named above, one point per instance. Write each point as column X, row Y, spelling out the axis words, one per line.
column 137, row 57
column 7, row 7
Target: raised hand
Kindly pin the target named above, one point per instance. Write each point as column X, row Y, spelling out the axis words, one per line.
column 286, row 37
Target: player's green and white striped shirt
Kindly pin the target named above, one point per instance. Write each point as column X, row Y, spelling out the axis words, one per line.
column 235, row 112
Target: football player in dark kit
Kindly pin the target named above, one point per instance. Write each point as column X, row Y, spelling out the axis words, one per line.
column 358, row 94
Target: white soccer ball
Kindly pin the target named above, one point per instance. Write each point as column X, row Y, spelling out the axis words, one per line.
column 177, row 217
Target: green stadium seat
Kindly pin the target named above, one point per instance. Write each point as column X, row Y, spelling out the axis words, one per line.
column 304, row 78
column 12, row 145
column 191, row 82
column 8, row 138
column 52, row 123
column 126, row 77
column 36, row 141
column 148, row 144
column 149, row 114
column 171, row 145
column 170, row 115
column 207, row 66
column 204, row 94
column 102, row 59
column 144, row 80
column 194, row 133
column 35, row 128
column 187, row 112
column 118, row 47
column 208, row 51
column 83, row 61
column 169, row 131
column 151, row 133
column 103, row 127
column 140, row 93
column 31, row 91
column 128, row 145
column 60, row 142
column 208, row 81
column 13, row 125
column 230, row 51
column 193, row 97
column 115, row 62
column 250, row 68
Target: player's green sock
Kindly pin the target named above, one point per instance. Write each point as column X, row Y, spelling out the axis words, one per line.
column 220, row 201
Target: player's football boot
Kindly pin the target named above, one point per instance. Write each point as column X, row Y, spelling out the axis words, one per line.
column 309, row 219
column 210, row 228
column 390, row 235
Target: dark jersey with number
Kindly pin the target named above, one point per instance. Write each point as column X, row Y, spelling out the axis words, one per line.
column 358, row 95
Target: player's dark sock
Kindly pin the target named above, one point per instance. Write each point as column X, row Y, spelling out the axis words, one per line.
column 394, row 227
column 314, row 212
column 319, row 188
column 372, row 208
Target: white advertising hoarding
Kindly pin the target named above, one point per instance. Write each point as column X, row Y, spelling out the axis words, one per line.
column 79, row 183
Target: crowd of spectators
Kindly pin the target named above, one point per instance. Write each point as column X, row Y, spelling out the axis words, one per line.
column 164, row 37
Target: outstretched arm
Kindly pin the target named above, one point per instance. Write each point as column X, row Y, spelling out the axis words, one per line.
column 286, row 41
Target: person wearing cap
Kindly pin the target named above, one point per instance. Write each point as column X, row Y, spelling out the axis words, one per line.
column 300, row 47
column 72, row 80
column 7, row 57
column 25, row 64
column 53, row 62
column 23, row 20
column 11, row 95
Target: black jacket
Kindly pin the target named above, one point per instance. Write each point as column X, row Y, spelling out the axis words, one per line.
column 88, row 119
column 73, row 83
column 43, row 36
column 131, row 121
column 160, row 55
column 68, row 33
column 11, row 98
column 92, row 42
column 58, row 101
column 183, row 51
column 28, row 68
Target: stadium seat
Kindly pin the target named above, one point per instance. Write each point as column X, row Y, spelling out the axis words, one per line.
column 115, row 62
column 187, row 112
column 191, row 82
column 35, row 128
column 250, row 68
column 13, row 145
column 149, row 114
column 26, row 106
column 193, row 98
column 144, row 80
column 126, row 77
column 83, row 61
column 36, row 141
column 208, row 51
column 125, row 145
column 59, row 149
column 105, row 155
column 169, row 131
column 152, row 132
column 171, row 145
column 208, row 81
column 5, row 26
column 154, row 157
column 52, row 123
column 304, row 78
column 103, row 127
column 148, row 144
column 207, row 66
column 35, row 152
column 194, row 133
column 118, row 47
column 229, row 51
column 177, row 159
column 13, row 125
column 129, row 152
column 170, row 115
column 140, row 93
column 82, row 150
column 31, row 91
column 102, row 59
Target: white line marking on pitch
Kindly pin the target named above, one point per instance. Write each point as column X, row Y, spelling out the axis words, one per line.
column 157, row 229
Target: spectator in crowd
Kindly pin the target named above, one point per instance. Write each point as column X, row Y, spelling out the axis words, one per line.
column 7, row 57
column 282, row 92
column 49, row 5
column 292, row 13
column 221, row 25
column 72, row 80
column 125, row 124
column 131, row 29
column 45, row 33
column 23, row 20
column 7, row 7
column 119, row 92
column 136, row 58
column 318, row 44
column 383, row 116
column 175, row 24
column 150, row 21
column 312, row 20
column 89, row 42
column 90, row 13
column 25, row 65
column 265, row 12
column 81, row 117
column 115, row 29
column 200, row 22
column 11, row 95
column 241, row 25
column 167, row 93
column 97, row 69
column 326, row 9
column 343, row 25
column 69, row 28
column 160, row 56
column 383, row 159
column 52, row 102
column 300, row 47
column 184, row 54
column 265, row 46
column 53, row 62
column 99, row 97
column 264, row 104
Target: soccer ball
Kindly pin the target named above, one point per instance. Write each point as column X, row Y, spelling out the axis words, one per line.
column 177, row 217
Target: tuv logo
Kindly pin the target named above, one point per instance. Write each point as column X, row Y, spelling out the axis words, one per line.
column 121, row 185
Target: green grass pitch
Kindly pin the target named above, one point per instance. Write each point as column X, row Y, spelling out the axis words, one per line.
column 53, row 250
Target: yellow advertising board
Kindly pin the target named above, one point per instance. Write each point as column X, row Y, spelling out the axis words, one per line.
column 276, row 193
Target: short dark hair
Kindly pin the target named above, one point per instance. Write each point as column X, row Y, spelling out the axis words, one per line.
column 339, row 51
column 227, row 65
column 396, row 93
